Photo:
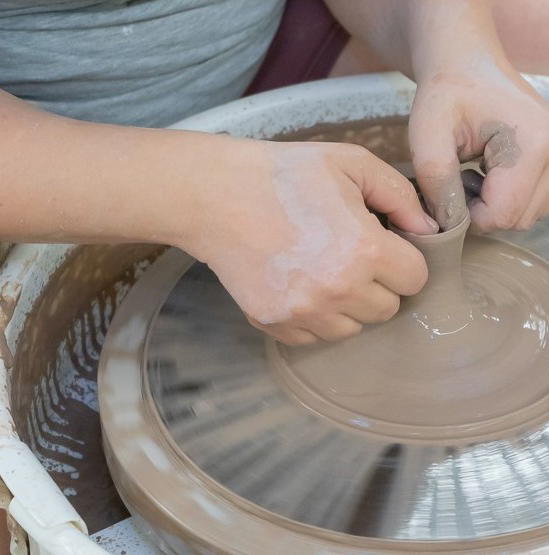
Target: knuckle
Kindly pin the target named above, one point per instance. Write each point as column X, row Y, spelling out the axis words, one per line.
column 407, row 191
column 338, row 290
column 358, row 154
column 418, row 281
column 401, row 191
column 342, row 151
column 373, row 252
column 303, row 311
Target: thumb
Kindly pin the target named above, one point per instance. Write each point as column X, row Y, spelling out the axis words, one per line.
column 437, row 168
column 508, row 196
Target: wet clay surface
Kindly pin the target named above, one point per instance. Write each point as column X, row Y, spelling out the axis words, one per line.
column 466, row 356
column 4, row 533
column 502, row 149
column 54, row 390
column 387, row 138
column 213, row 439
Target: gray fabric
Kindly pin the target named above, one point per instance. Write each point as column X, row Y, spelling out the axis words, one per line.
column 148, row 62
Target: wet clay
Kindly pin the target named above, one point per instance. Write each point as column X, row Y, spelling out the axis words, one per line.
column 501, row 148
column 53, row 388
column 386, row 138
column 204, row 444
column 465, row 357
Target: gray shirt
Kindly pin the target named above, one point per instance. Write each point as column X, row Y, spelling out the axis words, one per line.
column 144, row 62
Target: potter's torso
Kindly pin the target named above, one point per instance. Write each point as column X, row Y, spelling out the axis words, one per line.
column 147, row 63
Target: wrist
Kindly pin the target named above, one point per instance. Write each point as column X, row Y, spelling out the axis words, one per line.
column 213, row 170
column 452, row 37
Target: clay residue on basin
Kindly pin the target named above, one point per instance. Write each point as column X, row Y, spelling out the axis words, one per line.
column 53, row 384
column 386, row 138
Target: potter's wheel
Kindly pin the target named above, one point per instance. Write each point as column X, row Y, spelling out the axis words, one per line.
column 219, row 437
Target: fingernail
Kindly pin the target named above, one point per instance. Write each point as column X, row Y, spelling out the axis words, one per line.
column 431, row 223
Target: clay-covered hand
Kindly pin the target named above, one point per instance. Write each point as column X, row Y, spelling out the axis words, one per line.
column 292, row 241
column 482, row 109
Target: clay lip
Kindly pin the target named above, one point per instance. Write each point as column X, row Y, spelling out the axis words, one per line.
column 434, row 238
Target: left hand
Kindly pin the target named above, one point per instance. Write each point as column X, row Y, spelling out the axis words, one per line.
column 484, row 109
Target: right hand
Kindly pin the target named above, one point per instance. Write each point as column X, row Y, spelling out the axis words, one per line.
column 285, row 227
column 482, row 107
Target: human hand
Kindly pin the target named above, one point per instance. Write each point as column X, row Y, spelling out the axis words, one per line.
column 482, row 108
column 286, row 229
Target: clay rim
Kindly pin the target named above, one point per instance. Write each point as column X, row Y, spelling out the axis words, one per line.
column 433, row 238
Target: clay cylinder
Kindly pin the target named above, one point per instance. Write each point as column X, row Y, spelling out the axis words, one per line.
column 443, row 299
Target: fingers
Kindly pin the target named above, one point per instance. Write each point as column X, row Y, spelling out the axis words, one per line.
column 367, row 303
column 284, row 333
column 328, row 328
column 369, row 292
column 371, row 303
column 335, row 327
column 374, row 303
column 507, row 198
column 539, row 204
column 386, row 190
column 399, row 266
column 436, row 164
column 365, row 285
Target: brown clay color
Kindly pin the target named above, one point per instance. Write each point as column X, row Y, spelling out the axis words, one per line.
column 4, row 533
column 465, row 357
column 183, row 483
column 53, row 393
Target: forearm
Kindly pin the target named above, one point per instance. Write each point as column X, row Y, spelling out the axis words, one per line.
column 66, row 180
column 423, row 37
